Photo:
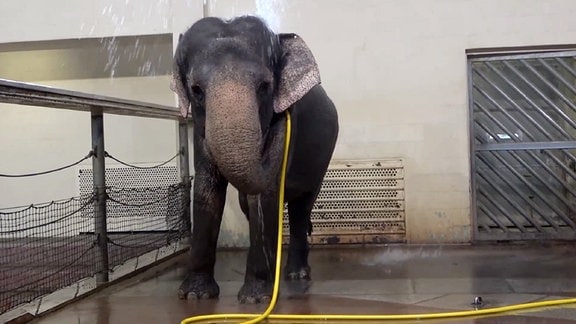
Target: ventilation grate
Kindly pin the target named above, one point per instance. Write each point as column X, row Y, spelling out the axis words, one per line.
column 360, row 202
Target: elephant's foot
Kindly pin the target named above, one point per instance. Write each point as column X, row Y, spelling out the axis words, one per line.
column 198, row 286
column 297, row 288
column 254, row 292
column 297, row 273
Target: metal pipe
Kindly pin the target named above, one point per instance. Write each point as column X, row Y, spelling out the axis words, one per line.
column 37, row 95
column 206, row 8
column 566, row 66
column 513, row 103
column 552, row 54
column 540, row 92
column 491, row 182
column 560, row 78
column 498, row 121
column 551, row 205
column 526, row 146
column 183, row 125
column 99, row 185
column 486, row 211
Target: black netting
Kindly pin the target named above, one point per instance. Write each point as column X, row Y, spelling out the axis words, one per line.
column 46, row 247
column 143, row 219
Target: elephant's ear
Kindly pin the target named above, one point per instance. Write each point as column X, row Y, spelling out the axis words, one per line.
column 299, row 72
column 177, row 85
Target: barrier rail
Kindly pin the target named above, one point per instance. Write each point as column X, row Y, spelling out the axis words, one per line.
column 106, row 249
column 30, row 94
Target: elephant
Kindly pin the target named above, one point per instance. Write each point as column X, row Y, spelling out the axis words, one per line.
column 235, row 79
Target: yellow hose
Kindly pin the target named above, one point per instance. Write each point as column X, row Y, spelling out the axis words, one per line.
column 256, row 318
column 259, row 317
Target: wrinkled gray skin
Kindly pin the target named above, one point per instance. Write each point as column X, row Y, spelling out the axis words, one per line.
column 228, row 72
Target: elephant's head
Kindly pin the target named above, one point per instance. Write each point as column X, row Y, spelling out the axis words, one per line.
column 233, row 78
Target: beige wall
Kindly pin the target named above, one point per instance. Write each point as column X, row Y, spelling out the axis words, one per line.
column 396, row 70
column 34, row 20
column 35, row 139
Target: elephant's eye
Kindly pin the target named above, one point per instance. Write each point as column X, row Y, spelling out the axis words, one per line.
column 198, row 93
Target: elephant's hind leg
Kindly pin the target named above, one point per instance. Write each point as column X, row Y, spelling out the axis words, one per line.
column 243, row 202
column 299, row 210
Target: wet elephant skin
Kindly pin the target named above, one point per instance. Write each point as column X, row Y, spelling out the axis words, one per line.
column 235, row 79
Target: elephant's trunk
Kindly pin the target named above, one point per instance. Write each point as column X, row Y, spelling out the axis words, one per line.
column 234, row 135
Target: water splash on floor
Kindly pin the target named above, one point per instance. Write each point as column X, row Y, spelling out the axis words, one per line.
column 396, row 254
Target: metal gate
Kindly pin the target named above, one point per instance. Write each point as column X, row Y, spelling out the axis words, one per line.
column 523, row 113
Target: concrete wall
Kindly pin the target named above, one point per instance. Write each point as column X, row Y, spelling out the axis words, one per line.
column 36, row 20
column 36, row 139
column 396, row 70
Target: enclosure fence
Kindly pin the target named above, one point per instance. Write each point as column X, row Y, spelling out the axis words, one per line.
column 68, row 247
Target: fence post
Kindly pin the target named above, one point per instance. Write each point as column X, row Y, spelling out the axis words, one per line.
column 99, row 184
column 185, row 171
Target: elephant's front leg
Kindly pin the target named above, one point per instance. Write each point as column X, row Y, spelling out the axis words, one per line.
column 261, row 263
column 208, row 205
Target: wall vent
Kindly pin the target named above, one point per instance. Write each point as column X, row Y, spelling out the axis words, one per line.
column 360, row 202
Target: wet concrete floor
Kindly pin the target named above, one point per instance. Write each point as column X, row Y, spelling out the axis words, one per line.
column 396, row 279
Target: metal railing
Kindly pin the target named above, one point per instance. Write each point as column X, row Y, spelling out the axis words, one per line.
column 100, row 247
column 29, row 94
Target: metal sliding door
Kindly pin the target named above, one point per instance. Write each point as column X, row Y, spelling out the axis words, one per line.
column 523, row 113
